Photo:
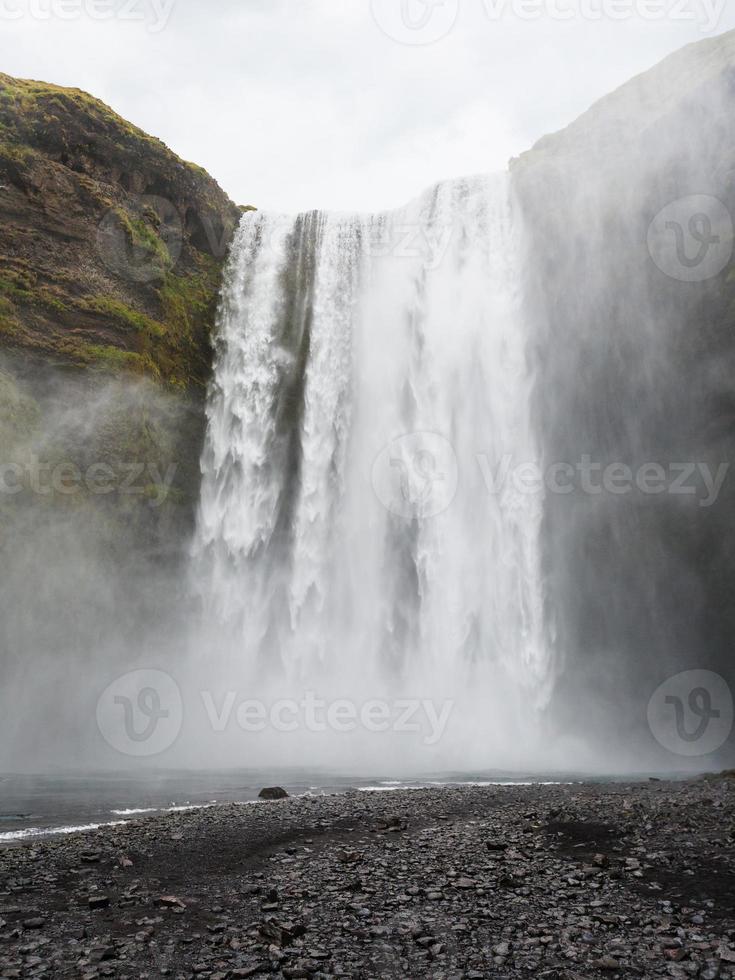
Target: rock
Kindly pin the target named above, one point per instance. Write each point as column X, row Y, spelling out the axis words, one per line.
column 393, row 824
column 428, row 904
column 607, row 963
column 102, row 953
column 35, row 923
column 281, row 932
column 98, row 902
column 273, row 793
column 171, row 902
column 465, row 884
column 349, row 857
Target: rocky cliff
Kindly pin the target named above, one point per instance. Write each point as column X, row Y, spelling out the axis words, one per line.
column 111, row 247
column 111, row 255
column 630, row 213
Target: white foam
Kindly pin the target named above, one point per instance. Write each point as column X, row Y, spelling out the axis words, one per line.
column 29, row 832
column 134, row 812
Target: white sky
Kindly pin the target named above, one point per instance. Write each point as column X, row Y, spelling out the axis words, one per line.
column 297, row 104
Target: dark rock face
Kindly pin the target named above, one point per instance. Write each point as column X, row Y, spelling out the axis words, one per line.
column 273, row 793
column 111, row 247
column 638, row 362
column 111, row 255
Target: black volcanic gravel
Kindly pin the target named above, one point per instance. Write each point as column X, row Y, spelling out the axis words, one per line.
column 557, row 882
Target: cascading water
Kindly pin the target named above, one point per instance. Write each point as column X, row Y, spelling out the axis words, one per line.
column 360, row 530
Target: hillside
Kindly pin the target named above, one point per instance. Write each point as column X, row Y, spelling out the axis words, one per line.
column 111, row 247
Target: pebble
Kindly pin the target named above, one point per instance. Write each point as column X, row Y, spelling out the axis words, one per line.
column 576, row 882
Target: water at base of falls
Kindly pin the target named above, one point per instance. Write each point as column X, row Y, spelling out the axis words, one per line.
column 360, row 532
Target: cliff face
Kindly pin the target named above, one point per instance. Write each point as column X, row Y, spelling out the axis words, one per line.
column 111, row 256
column 111, row 247
column 631, row 280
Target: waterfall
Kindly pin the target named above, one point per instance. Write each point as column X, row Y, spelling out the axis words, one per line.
column 371, row 398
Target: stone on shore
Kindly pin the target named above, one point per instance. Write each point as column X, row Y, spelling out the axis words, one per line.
column 273, row 793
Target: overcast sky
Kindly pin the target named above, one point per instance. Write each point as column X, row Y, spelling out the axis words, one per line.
column 347, row 104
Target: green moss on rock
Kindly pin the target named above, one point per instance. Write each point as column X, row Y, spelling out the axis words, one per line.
column 72, row 170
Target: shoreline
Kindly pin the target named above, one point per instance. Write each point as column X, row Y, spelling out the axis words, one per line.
column 558, row 881
column 46, row 805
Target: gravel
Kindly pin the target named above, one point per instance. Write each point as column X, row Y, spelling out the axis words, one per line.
column 557, row 882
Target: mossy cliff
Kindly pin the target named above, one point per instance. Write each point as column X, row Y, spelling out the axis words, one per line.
column 111, row 247
column 111, row 257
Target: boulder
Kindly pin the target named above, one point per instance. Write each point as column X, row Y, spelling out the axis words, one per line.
column 273, row 793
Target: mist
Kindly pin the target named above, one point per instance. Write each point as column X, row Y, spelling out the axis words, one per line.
column 258, row 570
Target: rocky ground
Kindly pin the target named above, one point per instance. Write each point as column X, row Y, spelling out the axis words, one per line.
column 578, row 881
